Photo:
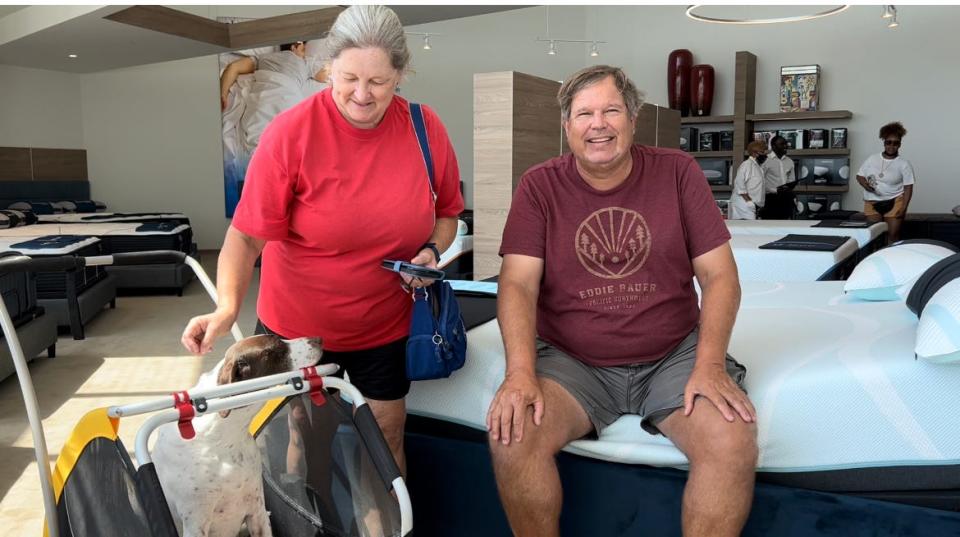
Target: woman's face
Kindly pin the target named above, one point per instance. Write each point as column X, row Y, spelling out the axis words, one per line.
column 363, row 82
column 891, row 145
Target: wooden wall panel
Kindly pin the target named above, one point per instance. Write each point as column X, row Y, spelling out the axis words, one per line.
column 492, row 167
column 59, row 164
column 536, row 122
column 658, row 126
column 15, row 164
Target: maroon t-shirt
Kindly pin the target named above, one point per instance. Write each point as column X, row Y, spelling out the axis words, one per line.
column 617, row 285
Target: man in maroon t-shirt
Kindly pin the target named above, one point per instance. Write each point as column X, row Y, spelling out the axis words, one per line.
column 600, row 318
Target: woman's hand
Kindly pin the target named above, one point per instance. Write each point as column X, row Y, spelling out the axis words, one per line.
column 424, row 258
column 202, row 331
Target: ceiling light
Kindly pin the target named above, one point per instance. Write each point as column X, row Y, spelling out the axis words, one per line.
column 426, row 42
column 553, row 48
column 889, row 12
column 797, row 18
column 71, row 55
column 593, row 50
column 893, row 22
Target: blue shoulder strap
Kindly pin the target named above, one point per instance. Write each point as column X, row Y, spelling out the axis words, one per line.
column 420, row 128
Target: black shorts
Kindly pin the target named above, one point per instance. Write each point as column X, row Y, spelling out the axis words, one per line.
column 379, row 373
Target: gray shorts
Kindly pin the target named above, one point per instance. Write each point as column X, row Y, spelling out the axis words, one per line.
column 652, row 390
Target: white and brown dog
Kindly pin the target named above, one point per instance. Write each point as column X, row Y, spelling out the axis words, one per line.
column 212, row 482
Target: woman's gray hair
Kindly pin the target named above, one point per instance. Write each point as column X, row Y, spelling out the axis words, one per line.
column 588, row 76
column 369, row 26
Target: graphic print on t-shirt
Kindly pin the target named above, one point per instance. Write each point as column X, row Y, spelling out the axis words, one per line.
column 613, row 243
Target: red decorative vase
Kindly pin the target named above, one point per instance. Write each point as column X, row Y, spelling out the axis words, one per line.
column 678, row 80
column 701, row 90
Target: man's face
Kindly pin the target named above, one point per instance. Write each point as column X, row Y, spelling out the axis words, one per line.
column 779, row 147
column 600, row 129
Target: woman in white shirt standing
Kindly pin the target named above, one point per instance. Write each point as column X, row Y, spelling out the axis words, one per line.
column 887, row 180
column 748, row 189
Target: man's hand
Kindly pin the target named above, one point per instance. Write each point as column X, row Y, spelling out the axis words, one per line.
column 712, row 382
column 509, row 406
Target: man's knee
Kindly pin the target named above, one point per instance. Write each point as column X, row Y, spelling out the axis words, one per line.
column 733, row 445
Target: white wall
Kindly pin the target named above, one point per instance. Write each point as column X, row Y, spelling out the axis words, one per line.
column 39, row 108
column 152, row 136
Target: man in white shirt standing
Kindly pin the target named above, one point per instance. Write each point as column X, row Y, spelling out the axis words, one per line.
column 779, row 176
column 748, row 190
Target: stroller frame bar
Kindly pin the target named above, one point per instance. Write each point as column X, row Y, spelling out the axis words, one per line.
column 225, row 390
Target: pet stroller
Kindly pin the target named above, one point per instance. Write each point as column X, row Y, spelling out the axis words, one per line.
column 327, row 470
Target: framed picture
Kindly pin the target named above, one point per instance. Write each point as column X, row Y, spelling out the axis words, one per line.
column 838, row 138
column 800, row 88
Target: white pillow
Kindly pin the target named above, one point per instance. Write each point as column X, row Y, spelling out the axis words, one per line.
column 938, row 334
column 880, row 275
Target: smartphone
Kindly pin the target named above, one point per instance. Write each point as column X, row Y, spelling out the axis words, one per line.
column 418, row 271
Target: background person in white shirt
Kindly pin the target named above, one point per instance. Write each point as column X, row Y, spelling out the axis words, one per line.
column 887, row 180
column 748, row 190
column 778, row 173
column 778, row 169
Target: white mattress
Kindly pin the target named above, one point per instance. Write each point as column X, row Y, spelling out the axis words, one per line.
column 834, row 381
column 756, row 265
column 102, row 229
column 863, row 235
column 6, row 245
column 98, row 218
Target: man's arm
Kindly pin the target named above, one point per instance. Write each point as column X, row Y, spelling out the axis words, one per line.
column 720, row 287
column 517, row 293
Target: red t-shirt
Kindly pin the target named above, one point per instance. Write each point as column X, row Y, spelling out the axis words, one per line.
column 334, row 201
column 617, row 284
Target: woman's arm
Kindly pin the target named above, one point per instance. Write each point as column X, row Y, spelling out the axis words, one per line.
column 243, row 66
column 444, row 231
column 234, row 272
column 907, row 194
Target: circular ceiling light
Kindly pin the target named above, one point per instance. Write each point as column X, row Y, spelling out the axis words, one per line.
column 772, row 20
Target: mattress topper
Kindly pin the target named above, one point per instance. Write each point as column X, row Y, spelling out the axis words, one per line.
column 758, row 265
column 863, row 236
column 834, row 381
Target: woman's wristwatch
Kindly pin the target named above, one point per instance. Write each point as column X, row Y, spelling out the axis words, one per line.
column 432, row 246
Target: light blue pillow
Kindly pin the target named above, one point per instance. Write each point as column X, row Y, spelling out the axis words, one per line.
column 882, row 273
column 938, row 334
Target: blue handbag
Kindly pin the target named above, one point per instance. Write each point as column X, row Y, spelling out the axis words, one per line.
column 437, row 345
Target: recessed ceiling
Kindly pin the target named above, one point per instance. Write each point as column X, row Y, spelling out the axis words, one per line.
column 102, row 44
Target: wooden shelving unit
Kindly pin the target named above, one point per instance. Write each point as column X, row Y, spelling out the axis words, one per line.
column 744, row 117
column 711, row 154
column 697, row 120
column 801, row 116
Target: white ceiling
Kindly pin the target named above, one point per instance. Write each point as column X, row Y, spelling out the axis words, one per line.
column 102, row 44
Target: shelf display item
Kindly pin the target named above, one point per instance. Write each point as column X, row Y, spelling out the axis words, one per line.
column 701, row 90
column 815, row 206
column 817, row 139
column 709, row 141
column 678, row 80
column 765, row 137
column 824, row 171
column 726, row 140
column 796, row 138
column 838, row 138
column 689, row 138
column 800, row 88
column 716, row 170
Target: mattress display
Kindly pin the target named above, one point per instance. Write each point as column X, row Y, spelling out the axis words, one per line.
column 93, row 218
column 863, row 235
column 833, row 379
column 759, row 265
column 117, row 237
column 53, row 285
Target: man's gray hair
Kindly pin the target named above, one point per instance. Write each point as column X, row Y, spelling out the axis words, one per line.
column 370, row 26
column 589, row 76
